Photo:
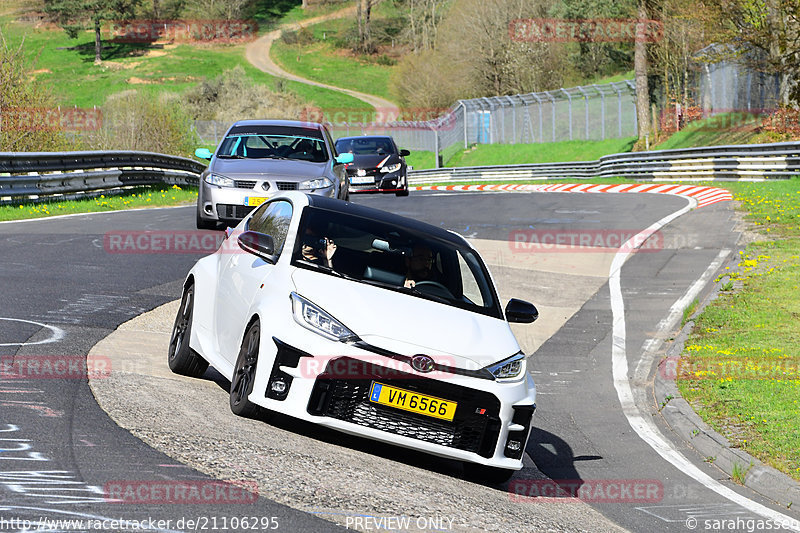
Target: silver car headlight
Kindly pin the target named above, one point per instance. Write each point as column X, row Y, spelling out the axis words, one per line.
column 313, row 317
column 391, row 168
column 317, row 183
column 219, row 181
column 511, row 368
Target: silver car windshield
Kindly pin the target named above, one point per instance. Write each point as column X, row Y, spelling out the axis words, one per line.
column 272, row 146
column 395, row 258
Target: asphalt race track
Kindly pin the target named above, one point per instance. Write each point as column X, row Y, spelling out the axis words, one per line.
column 64, row 290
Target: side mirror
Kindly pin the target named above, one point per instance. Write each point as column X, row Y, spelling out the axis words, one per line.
column 259, row 244
column 344, row 158
column 521, row 311
column 203, row 153
column 404, row 152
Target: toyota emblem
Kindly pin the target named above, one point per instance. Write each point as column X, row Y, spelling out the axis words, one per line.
column 422, row 363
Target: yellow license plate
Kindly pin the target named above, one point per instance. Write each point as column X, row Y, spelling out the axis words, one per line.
column 254, row 200
column 412, row 401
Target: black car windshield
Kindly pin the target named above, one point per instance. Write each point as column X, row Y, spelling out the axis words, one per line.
column 273, row 143
column 365, row 145
column 393, row 257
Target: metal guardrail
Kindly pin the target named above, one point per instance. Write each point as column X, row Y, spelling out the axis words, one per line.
column 40, row 175
column 35, row 175
column 776, row 160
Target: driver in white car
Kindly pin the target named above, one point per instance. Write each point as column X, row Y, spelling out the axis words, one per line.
column 419, row 266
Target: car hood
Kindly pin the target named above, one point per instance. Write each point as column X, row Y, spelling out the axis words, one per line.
column 373, row 160
column 407, row 324
column 267, row 167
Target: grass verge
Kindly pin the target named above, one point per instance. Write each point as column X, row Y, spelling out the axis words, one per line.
column 138, row 197
column 741, row 364
column 510, row 154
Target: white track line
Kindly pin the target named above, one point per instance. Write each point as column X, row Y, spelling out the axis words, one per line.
column 642, row 423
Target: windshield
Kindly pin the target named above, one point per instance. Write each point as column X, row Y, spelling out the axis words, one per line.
column 395, row 258
column 273, row 143
column 365, row 145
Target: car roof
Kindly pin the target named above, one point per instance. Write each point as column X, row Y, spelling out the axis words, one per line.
column 339, row 206
column 276, row 122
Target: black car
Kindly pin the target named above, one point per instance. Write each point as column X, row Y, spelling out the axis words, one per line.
column 378, row 166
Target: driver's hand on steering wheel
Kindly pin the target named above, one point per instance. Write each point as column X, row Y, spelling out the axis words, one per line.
column 409, row 283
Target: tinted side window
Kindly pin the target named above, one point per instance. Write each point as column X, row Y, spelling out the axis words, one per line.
column 273, row 219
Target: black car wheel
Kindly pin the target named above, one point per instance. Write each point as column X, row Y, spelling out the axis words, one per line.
column 404, row 192
column 244, row 374
column 182, row 359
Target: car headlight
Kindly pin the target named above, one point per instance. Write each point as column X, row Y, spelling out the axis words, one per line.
column 313, row 317
column 510, row 368
column 318, row 183
column 219, row 181
column 391, row 168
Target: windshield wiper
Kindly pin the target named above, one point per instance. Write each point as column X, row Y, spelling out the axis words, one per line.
column 435, row 297
column 322, row 268
column 232, row 156
column 270, row 157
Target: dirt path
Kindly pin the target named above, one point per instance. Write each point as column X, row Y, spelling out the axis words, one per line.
column 257, row 53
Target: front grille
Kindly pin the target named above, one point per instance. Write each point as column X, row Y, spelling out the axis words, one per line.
column 233, row 212
column 348, row 399
column 244, row 184
column 367, row 171
column 286, row 185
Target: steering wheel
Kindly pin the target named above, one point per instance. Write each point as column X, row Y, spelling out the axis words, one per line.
column 436, row 285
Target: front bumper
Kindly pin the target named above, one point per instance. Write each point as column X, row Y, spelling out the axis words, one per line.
column 491, row 424
column 390, row 182
column 232, row 204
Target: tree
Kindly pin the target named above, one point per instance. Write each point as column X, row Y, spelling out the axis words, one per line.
column 475, row 55
column 766, row 34
column 365, row 43
column 640, row 76
column 423, row 18
column 77, row 15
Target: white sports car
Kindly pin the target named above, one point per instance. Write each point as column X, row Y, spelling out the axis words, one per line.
column 366, row 322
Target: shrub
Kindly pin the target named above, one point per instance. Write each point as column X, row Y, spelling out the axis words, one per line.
column 233, row 96
column 139, row 121
column 23, row 106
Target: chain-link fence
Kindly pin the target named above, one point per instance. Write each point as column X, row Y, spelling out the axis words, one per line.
column 727, row 86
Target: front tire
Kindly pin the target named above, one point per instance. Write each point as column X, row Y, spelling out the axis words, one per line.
column 244, row 373
column 181, row 358
column 205, row 224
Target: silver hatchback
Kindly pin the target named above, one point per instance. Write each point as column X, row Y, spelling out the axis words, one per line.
column 257, row 159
